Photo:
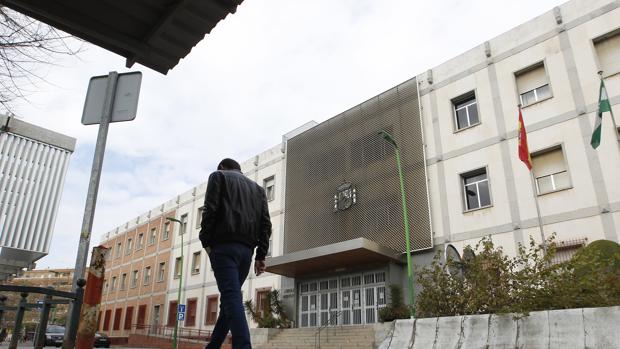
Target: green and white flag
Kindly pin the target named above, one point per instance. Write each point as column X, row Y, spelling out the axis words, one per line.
column 603, row 106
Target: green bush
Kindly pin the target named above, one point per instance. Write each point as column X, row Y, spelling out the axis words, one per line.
column 496, row 283
column 395, row 308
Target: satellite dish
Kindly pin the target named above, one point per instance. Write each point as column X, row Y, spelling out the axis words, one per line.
column 455, row 266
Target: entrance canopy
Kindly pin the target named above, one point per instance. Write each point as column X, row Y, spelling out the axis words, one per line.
column 154, row 33
column 338, row 257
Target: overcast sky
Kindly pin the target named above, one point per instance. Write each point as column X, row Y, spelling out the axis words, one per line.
column 270, row 67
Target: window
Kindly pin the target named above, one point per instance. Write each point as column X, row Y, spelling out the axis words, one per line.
column 192, row 304
column 128, row 318
column 183, row 227
column 161, row 271
column 261, row 301
column 270, row 188
column 476, row 189
column 110, row 253
column 608, row 53
column 270, row 247
column 166, row 234
column 141, row 315
column 152, row 236
column 196, row 263
column 172, row 313
column 147, row 275
column 177, row 267
column 465, row 109
column 106, row 320
column 140, row 241
column 117, row 319
column 129, row 246
column 533, row 85
column 113, row 286
column 123, row 281
column 211, row 313
column 134, row 279
column 549, row 169
column 199, row 216
column 565, row 250
column 105, row 286
column 119, row 247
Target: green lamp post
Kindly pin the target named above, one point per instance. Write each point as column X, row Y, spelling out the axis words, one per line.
column 388, row 137
column 176, row 322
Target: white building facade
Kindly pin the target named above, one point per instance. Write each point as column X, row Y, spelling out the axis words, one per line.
column 33, row 164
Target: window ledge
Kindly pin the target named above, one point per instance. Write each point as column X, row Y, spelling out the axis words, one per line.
column 466, row 128
column 555, row 191
column 195, row 272
column 537, row 102
column 477, row 209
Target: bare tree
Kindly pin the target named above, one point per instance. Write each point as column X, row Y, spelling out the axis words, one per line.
column 25, row 46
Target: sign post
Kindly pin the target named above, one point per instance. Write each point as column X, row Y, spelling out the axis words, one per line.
column 109, row 99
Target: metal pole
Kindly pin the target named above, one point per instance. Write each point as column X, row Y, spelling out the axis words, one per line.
column 176, row 322
column 540, row 223
column 39, row 341
column 388, row 137
column 74, row 314
column 92, row 298
column 93, row 187
column 19, row 318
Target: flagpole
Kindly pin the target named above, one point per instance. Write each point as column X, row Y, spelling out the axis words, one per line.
column 611, row 112
column 540, row 223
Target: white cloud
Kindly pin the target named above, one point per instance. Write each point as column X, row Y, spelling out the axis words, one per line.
column 262, row 72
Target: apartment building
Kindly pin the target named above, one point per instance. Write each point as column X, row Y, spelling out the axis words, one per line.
column 456, row 125
column 137, row 272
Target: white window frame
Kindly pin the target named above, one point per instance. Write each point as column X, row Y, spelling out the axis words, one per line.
column 161, row 271
column 270, row 193
column 540, row 64
column 165, row 235
column 196, row 269
column 183, row 225
column 140, row 241
column 129, row 247
column 133, row 282
column 464, row 98
column 552, row 148
column 178, row 266
column 152, row 236
column 123, row 283
column 146, row 277
column 472, row 173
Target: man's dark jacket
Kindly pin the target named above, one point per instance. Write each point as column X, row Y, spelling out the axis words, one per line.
column 235, row 210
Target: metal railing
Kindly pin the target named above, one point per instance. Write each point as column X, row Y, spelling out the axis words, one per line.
column 166, row 332
column 45, row 306
column 333, row 319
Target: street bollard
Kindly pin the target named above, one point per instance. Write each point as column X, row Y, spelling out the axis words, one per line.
column 19, row 318
column 92, row 298
column 39, row 341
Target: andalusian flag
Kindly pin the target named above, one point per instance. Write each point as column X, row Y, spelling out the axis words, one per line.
column 603, row 106
column 524, row 152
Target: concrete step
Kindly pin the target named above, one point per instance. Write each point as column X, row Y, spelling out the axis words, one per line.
column 346, row 337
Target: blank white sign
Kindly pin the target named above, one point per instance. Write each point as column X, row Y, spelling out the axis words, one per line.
column 125, row 99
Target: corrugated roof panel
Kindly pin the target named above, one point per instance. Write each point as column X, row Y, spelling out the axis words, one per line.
column 154, row 33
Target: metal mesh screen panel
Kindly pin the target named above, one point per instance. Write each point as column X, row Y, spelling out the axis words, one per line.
column 347, row 148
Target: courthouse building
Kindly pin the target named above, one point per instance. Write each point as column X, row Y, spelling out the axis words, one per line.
column 334, row 188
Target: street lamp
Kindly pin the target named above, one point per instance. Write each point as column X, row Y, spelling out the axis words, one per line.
column 176, row 322
column 388, row 137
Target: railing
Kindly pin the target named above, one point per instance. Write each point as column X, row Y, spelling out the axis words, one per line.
column 333, row 316
column 45, row 307
column 166, row 332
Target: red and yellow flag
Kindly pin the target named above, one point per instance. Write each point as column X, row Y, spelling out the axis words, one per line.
column 524, row 152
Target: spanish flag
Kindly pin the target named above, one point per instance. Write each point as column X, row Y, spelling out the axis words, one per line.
column 524, row 152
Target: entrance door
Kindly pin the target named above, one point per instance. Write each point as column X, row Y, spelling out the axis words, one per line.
column 155, row 319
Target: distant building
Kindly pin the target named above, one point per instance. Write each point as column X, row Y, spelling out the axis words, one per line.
column 33, row 164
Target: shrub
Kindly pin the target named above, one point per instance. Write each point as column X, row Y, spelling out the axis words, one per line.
column 495, row 283
column 395, row 308
column 273, row 315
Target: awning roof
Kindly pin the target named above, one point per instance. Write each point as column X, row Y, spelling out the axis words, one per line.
column 154, row 33
column 338, row 257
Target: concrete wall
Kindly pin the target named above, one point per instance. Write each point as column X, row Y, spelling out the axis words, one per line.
column 569, row 328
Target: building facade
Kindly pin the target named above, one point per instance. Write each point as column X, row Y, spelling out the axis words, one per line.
column 342, row 237
column 33, row 164
column 334, row 188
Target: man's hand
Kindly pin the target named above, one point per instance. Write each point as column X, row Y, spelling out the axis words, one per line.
column 259, row 267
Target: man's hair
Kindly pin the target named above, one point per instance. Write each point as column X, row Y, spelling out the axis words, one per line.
column 229, row 164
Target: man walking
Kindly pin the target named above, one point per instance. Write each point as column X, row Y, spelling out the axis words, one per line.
column 235, row 220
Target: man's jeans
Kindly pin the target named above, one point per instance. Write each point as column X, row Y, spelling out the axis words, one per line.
column 231, row 264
